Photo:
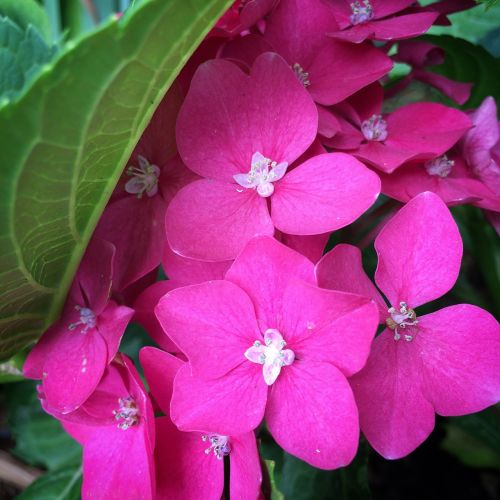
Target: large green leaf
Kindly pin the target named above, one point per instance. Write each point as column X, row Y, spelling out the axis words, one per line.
column 65, row 142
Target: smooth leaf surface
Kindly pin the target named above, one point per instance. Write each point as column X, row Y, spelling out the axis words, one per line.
column 65, row 142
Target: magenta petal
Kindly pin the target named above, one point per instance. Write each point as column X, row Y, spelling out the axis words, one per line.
column 160, row 369
column 401, row 27
column 394, row 415
column 311, row 246
column 118, row 464
column 360, row 65
column 184, row 470
column 144, row 313
column 220, row 124
column 211, row 220
column 341, row 269
column 92, row 284
column 323, row 194
column 246, row 474
column 419, row 252
column 230, row 405
column 213, row 323
column 112, row 323
column 330, row 326
column 460, row 350
column 186, row 271
column 311, row 414
column 33, row 366
column 134, row 226
column 264, row 269
column 74, row 369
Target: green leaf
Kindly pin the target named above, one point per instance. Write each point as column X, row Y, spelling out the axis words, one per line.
column 63, row 484
column 275, row 492
column 65, row 143
column 22, row 53
column 11, row 370
column 40, row 439
column 466, row 62
column 25, row 13
column 300, row 481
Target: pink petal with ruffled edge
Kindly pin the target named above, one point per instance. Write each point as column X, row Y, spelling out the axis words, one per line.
column 220, row 124
column 341, row 269
column 419, row 252
column 394, row 415
column 144, row 313
column 255, row 10
column 230, row 405
column 328, row 326
column 323, row 194
column 212, row 220
column 185, row 471
column 311, row 414
column 213, row 323
column 263, row 270
column 311, row 247
column 460, row 351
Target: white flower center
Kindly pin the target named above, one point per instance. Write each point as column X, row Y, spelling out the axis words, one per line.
column 303, row 76
column 127, row 414
column 87, row 319
column 271, row 354
column 361, row 13
column 439, row 166
column 263, row 173
column 375, row 128
column 144, row 178
column 219, row 445
column 405, row 317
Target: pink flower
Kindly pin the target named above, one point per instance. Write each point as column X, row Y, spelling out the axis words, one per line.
column 193, row 462
column 329, row 69
column 481, row 145
column 445, row 362
column 418, row 131
column 267, row 340
column 379, row 20
column 116, row 428
column 134, row 218
column 73, row 353
column 241, row 133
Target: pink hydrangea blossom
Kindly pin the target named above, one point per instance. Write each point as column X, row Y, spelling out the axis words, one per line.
column 193, row 462
column 380, row 20
column 72, row 354
column 116, row 429
column 245, row 164
column 445, row 362
column 418, row 131
column 267, row 340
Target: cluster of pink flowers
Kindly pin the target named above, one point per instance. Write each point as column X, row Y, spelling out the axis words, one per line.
column 273, row 136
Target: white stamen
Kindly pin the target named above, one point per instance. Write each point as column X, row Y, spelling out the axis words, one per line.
column 361, row 13
column 127, row 414
column 87, row 319
column 439, row 166
column 405, row 317
column 218, row 444
column 263, row 173
column 375, row 128
column 271, row 355
column 144, row 178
